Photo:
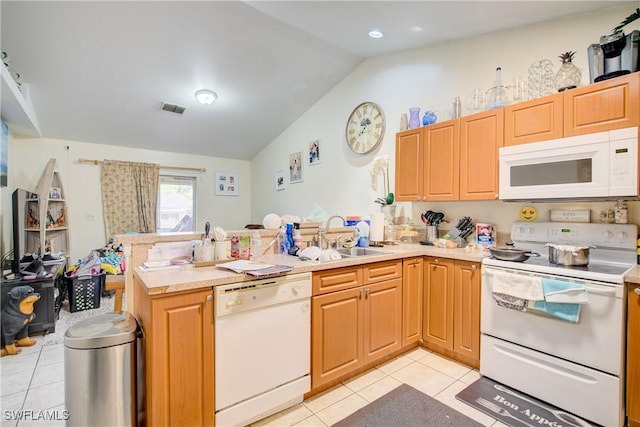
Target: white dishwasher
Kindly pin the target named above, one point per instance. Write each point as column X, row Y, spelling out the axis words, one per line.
column 262, row 347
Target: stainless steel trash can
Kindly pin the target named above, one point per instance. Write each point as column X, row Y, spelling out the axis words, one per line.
column 100, row 373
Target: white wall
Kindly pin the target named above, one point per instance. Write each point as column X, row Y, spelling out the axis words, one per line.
column 429, row 78
column 81, row 183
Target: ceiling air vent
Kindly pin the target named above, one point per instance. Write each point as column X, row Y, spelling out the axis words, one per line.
column 172, row 108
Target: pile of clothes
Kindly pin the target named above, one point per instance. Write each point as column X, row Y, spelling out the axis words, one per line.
column 109, row 259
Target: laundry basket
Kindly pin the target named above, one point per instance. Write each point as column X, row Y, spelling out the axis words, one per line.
column 84, row 291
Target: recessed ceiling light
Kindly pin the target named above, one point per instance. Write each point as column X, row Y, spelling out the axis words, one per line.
column 206, row 96
column 376, row 34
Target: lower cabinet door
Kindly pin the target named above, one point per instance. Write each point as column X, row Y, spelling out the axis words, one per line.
column 181, row 358
column 411, row 300
column 336, row 338
column 437, row 325
column 466, row 311
column 382, row 319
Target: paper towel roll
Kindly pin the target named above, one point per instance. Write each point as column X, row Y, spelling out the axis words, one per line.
column 376, row 230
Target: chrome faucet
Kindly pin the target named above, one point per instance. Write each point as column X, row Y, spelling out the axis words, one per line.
column 322, row 231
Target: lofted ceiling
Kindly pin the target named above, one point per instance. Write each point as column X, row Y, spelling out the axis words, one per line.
column 99, row 71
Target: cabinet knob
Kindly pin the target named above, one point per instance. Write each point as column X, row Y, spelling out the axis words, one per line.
column 436, row 261
column 473, row 266
column 637, row 291
column 418, row 198
column 209, row 297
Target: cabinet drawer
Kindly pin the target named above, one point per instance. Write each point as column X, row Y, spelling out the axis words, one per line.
column 335, row 280
column 381, row 271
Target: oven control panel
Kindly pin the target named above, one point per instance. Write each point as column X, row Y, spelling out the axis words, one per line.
column 621, row 236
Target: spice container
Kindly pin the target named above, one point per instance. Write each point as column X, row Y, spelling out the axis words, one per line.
column 621, row 212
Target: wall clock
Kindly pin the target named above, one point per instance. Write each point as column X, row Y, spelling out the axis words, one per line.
column 365, row 127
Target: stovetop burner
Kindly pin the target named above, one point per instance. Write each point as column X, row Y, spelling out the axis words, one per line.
column 613, row 255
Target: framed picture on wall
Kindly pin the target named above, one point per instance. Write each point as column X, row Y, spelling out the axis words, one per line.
column 226, row 184
column 295, row 167
column 314, row 152
column 280, row 180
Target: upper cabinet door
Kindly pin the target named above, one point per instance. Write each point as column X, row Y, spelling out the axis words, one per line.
column 607, row 105
column 441, row 160
column 409, row 182
column 481, row 135
column 531, row 121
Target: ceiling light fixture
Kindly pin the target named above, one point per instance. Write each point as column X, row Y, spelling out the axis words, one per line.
column 376, row 34
column 206, row 96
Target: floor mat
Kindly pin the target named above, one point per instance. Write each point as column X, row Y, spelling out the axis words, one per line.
column 405, row 406
column 515, row 408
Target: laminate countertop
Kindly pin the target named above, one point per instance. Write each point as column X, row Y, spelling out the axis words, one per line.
column 189, row 277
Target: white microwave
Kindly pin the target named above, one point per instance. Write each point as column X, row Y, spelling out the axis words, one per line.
column 597, row 165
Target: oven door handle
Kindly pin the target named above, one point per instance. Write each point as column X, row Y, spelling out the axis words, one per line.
column 599, row 291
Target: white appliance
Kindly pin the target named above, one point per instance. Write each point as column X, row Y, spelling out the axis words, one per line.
column 262, row 347
column 578, row 367
column 597, row 165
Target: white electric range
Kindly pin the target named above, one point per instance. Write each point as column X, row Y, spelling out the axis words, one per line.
column 575, row 364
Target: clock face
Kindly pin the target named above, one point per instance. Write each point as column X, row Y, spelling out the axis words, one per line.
column 365, row 127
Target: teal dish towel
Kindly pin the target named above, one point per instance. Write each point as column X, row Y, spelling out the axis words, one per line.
column 562, row 299
column 563, row 291
column 568, row 312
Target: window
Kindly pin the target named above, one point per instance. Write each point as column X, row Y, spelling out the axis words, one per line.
column 176, row 203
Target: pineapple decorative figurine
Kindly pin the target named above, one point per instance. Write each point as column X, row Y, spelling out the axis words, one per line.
column 568, row 76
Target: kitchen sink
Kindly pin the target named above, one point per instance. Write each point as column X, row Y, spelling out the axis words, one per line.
column 358, row 252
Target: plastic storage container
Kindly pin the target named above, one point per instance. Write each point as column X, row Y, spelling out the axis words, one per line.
column 101, row 371
column 84, row 291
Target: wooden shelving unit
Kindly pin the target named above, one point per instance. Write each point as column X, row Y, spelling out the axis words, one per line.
column 46, row 221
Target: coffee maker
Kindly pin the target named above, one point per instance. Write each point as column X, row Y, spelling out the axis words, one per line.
column 615, row 55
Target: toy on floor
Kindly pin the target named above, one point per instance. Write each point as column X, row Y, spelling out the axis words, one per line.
column 17, row 313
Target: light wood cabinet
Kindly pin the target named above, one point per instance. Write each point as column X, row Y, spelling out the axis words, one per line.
column 451, row 319
column 453, row 160
column 611, row 104
column 535, row 120
column 441, row 160
column 481, row 136
column 411, row 300
column 179, row 357
column 437, row 325
column 358, row 325
column 633, row 356
column 409, row 185
column 607, row 105
column 466, row 309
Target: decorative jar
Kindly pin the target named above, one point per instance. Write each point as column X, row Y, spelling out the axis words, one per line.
column 414, row 117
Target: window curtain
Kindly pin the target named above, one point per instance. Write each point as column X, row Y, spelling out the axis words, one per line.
column 129, row 196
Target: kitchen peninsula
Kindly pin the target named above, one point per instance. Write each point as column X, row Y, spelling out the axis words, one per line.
column 176, row 309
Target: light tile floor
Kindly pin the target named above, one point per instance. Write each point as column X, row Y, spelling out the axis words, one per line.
column 34, row 381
